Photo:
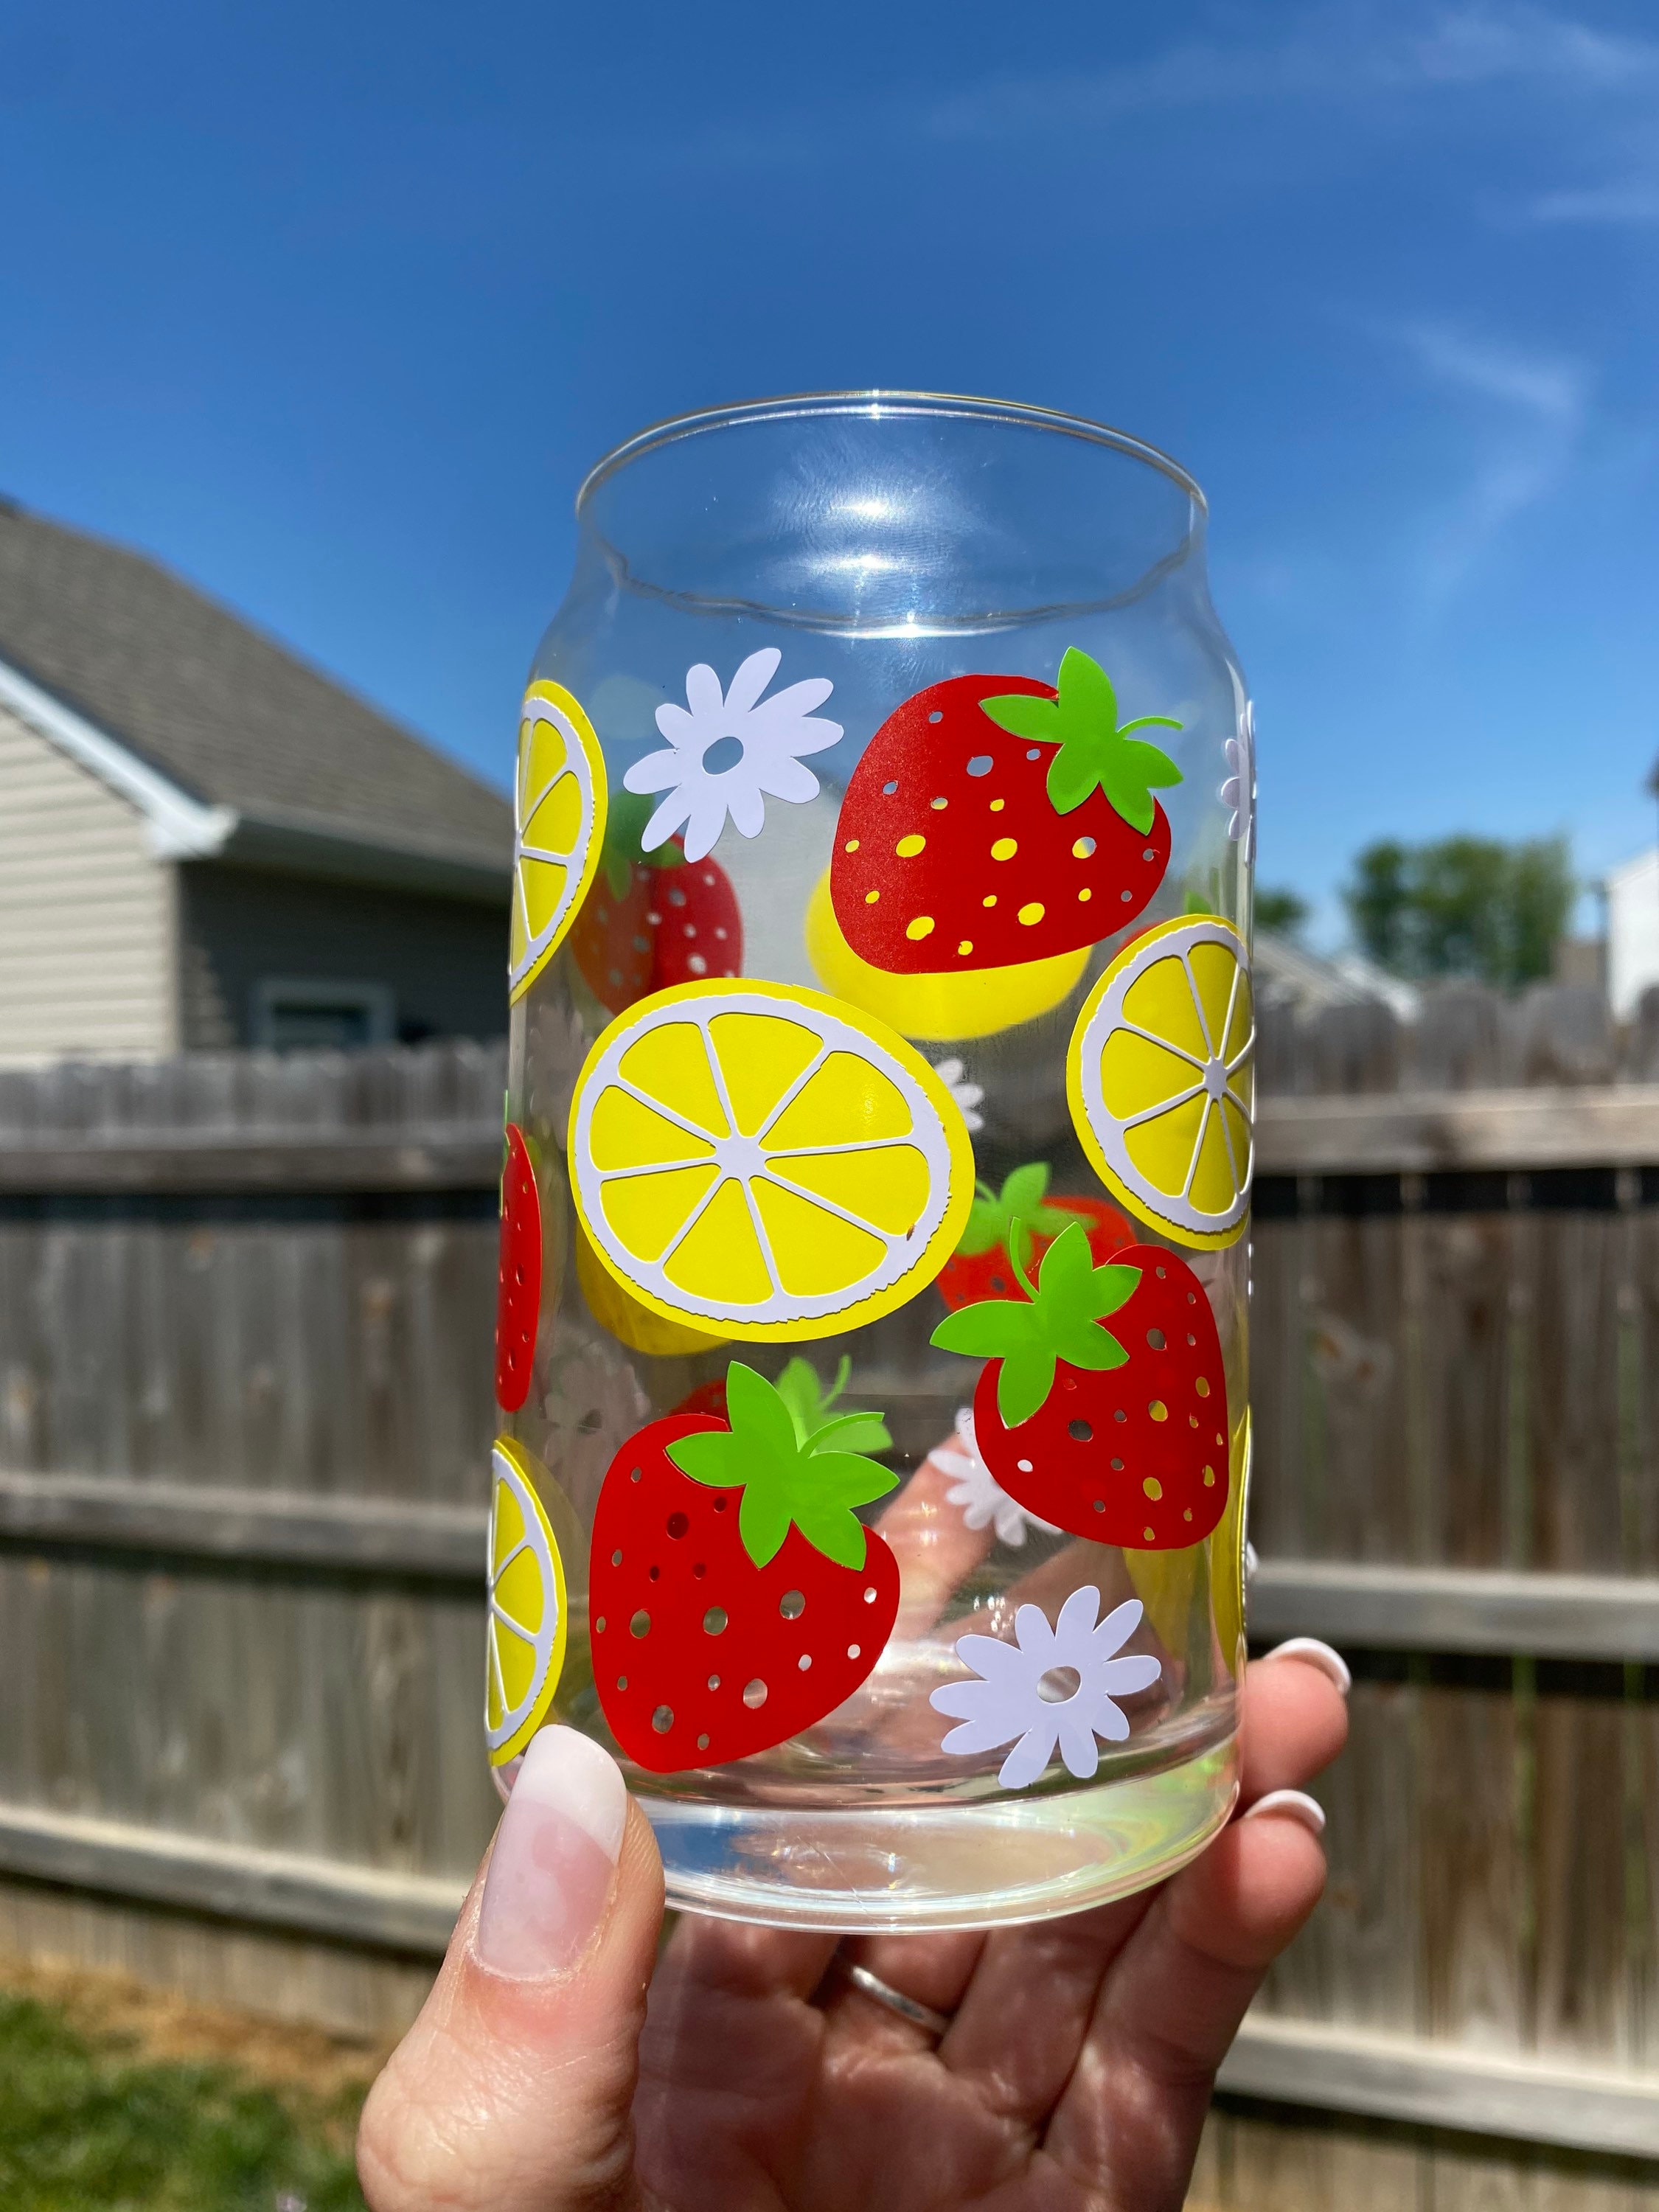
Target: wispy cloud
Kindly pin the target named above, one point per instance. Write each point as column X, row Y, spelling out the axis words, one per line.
column 1532, row 414
column 1340, row 52
column 1634, row 202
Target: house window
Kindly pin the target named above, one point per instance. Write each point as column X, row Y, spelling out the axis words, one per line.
column 316, row 1014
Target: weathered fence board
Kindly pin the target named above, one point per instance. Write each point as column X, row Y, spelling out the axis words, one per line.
column 245, row 1312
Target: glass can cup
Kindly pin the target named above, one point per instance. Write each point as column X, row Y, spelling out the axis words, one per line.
column 872, row 1340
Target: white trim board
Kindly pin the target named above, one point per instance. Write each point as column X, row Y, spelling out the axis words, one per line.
column 1337, row 2068
column 181, row 827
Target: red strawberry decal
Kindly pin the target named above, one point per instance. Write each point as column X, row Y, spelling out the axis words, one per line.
column 518, row 1282
column 1019, row 1223
column 1118, row 1434
column 736, row 1598
column 651, row 922
column 995, row 821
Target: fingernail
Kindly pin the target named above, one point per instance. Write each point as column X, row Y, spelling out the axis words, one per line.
column 1313, row 1653
column 555, row 1857
column 1295, row 1804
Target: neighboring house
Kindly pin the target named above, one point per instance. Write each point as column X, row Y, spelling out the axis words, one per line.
column 1286, row 974
column 204, row 842
column 1632, row 897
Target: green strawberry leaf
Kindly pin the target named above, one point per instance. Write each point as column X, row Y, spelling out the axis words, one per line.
column 993, row 1329
column 1023, row 1382
column 839, row 1535
column 787, row 1476
column 985, row 1224
column 1022, row 1191
column 808, row 1404
column 759, row 1414
column 1096, row 752
column 764, row 1518
column 1025, row 714
column 1062, row 1321
column 1086, row 1343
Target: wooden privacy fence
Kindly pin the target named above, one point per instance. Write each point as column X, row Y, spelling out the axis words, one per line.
column 245, row 1317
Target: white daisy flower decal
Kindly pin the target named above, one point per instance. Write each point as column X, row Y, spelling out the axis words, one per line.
column 968, row 1096
column 771, row 738
column 984, row 1502
column 1238, row 791
column 1021, row 1689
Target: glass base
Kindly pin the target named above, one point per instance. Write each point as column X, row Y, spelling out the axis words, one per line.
column 950, row 1865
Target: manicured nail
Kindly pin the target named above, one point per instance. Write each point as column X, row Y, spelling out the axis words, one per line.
column 555, row 1857
column 1295, row 1804
column 1313, row 1653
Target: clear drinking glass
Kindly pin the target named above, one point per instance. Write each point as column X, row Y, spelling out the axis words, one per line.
column 859, row 1024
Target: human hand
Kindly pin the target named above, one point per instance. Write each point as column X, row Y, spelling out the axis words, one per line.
column 1074, row 2075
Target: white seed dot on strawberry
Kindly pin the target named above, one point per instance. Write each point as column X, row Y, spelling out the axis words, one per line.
column 599, row 1625
column 1117, row 1467
column 655, row 920
column 641, row 1624
column 852, row 1651
column 1031, row 753
column 676, row 896
column 714, row 1620
column 721, row 933
column 1155, row 1338
column 696, row 963
column 792, row 1605
column 622, row 1681
column 1023, row 1464
column 935, row 714
column 663, row 1719
column 869, row 1595
column 754, row 1694
column 981, row 764
column 702, row 1743
column 713, row 1681
column 888, row 789
column 804, row 1660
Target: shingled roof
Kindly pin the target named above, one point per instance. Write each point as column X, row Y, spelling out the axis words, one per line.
column 297, row 768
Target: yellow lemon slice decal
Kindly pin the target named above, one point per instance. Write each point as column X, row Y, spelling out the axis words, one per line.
column 636, row 1326
column 1159, row 1076
column 944, row 1009
column 526, row 1633
column 757, row 1161
column 558, row 812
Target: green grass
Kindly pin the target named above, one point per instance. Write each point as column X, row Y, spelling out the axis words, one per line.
column 90, row 2127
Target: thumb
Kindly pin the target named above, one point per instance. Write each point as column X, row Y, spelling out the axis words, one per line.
column 512, row 2089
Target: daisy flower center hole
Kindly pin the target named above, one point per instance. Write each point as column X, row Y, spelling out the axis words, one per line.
column 722, row 756
column 1058, row 1684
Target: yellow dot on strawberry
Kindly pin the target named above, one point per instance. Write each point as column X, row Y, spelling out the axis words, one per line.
column 1005, row 848
column 851, row 846
column 1085, row 895
column 1158, row 1409
column 991, row 900
column 870, row 897
column 1153, row 1488
column 1031, row 914
column 920, row 927
column 965, row 947
column 997, row 805
column 907, row 847
column 1083, row 848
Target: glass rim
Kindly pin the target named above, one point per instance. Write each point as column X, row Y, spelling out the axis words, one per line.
column 874, row 403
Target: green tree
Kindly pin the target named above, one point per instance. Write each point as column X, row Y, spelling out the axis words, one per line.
column 1284, row 911
column 1462, row 906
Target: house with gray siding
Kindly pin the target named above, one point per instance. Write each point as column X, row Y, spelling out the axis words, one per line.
column 206, row 843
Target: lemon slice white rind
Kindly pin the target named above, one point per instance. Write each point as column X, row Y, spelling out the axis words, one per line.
column 546, row 701
column 506, row 1738
column 1103, row 1135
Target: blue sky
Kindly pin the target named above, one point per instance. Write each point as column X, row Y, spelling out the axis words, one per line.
column 332, row 308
